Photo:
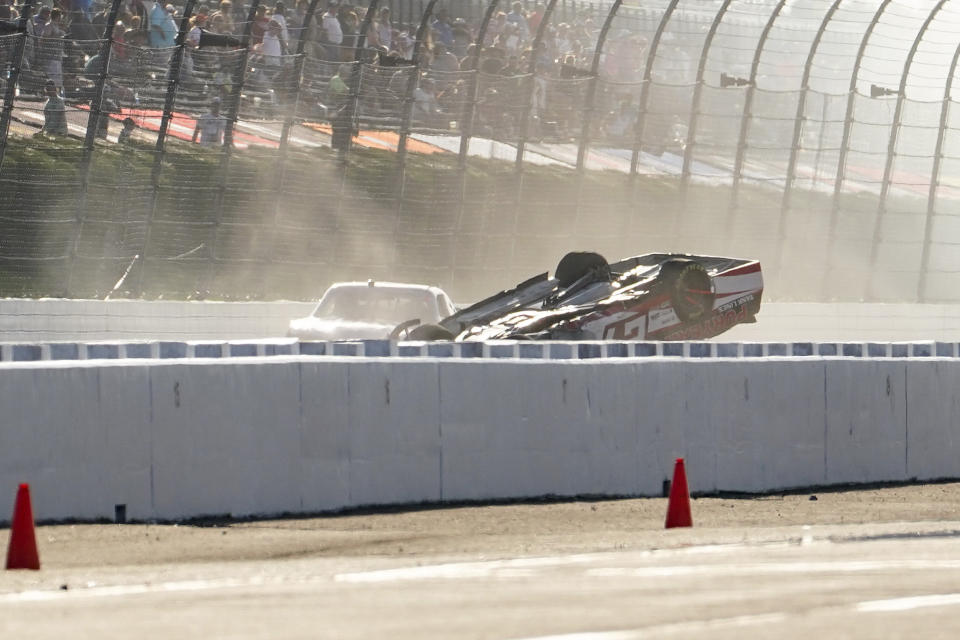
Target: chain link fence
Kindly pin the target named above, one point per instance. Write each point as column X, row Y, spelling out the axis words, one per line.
column 262, row 151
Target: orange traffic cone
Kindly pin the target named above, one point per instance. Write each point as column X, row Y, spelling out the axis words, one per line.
column 678, row 506
column 22, row 552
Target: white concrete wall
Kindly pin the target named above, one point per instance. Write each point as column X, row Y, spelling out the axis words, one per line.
column 76, row 320
column 305, row 434
column 70, row 320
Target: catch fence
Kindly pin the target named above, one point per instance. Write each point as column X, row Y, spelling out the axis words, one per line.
column 818, row 136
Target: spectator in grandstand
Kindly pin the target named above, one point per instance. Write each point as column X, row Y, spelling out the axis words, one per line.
column 442, row 29
column 259, row 26
column 350, row 23
column 518, row 19
column 339, row 112
column 381, row 31
column 280, row 17
column 444, row 61
column 331, row 32
column 224, row 18
column 210, row 126
column 462, row 38
column 54, row 111
column 273, row 47
column 426, row 107
column 128, row 126
column 297, row 22
column 162, row 30
column 51, row 47
column 6, row 11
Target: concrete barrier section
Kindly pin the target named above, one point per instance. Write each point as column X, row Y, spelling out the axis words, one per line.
column 170, row 439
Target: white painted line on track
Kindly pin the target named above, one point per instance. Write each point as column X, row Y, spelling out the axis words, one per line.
column 773, row 568
column 676, row 628
column 906, row 604
column 514, row 568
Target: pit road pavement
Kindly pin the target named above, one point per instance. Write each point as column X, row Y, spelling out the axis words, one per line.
column 877, row 563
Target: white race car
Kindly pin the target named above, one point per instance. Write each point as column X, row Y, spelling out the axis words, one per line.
column 372, row 310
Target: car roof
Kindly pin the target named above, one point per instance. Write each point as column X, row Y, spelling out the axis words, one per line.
column 377, row 284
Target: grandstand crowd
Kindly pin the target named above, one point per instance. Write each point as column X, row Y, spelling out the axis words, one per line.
column 65, row 50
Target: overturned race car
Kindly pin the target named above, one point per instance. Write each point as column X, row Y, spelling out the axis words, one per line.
column 657, row 296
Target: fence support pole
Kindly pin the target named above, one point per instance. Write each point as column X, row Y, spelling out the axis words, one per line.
column 745, row 118
column 173, row 83
column 798, row 120
column 645, row 88
column 92, row 122
column 532, row 81
column 525, row 112
column 697, row 97
column 233, row 109
column 590, row 105
column 467, row 131
column 892, row 144
column 923, row 286
column 406, row 122
column 10, row 94
column 845, row 149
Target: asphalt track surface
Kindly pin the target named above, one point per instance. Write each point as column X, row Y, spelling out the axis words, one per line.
column 875, row 563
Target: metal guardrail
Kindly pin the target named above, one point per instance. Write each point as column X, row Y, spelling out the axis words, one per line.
column 165, row 350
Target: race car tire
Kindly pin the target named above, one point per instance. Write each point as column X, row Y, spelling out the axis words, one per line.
column 690, row 288
column 577, row 264
column 429, row 332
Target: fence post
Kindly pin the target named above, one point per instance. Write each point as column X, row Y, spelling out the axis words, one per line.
column 645, row 88
column 591, row 97
column 233, row 109
column 745, row 117
column 16, row 63
column 467, row 131
column 532, row 81
column 845, row 148
column 935, row 180
column 406, row 122
column 798, row 121
column 695, row 107
column 92, row 122
column 892, row 144
column 173, row 83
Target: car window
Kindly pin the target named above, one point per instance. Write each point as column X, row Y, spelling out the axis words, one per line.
column 446, row 307
column 388, row 305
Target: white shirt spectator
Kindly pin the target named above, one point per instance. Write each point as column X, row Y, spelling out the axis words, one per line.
column 332, row 29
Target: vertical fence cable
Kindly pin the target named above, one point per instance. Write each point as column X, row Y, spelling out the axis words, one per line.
column 531, row 80
column 233, row 109
column 591, row 97
column 92, row 124
column 467, row 131
column 745, row 116
column 467, row 128
column 892, row 144
column 845, row 145
column 298, row 78
column 645, row 87
column 798, row 121
column 922, row 288
column 354, row 85
column 16, row 63
column 697, row 96
column 95, row 104
column 412, row 83
column 407, row 120
column 173, row 83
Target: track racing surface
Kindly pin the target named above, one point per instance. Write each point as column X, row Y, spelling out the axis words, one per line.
column 867, row 563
